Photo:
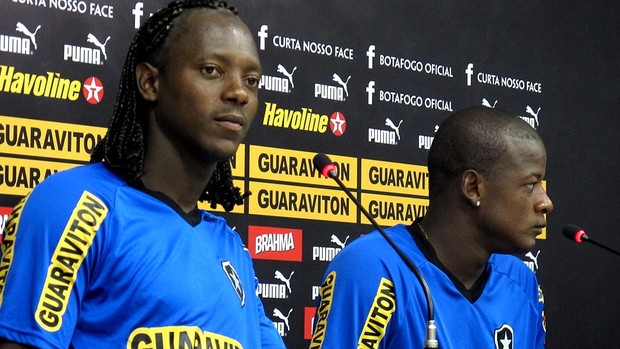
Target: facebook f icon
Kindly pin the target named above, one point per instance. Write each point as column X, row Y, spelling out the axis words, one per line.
column 469, row 71
column 262, row 34
column 137, row 14
column 371, row 54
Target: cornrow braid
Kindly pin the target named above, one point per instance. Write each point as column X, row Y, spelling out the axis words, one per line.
column 122, row 148
column 220, row 189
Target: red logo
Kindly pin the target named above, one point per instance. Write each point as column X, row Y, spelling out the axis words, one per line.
column 93, row 90
column 279, row 244
column 5, row 212
column 309, row 321
column 338, row 123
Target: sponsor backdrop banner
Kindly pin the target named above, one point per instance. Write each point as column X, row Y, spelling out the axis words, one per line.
column 367, row 83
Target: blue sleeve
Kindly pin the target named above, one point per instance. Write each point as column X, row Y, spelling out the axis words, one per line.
column 41, row 282
column 536, row 298
column 270, row 338
column 541, row 332
column 357, row 301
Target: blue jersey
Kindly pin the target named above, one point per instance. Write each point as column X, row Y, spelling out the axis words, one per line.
column 90, row 261
column 371, row 299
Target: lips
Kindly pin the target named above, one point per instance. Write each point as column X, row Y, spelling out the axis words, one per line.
column 231, row 118
column 231, row 122
column 538, row 229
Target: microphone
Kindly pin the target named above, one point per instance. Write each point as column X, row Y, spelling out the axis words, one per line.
column 329, row 170
column 575, row 233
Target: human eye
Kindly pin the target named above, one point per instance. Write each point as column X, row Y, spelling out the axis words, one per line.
column 253, row 81
column 211, row 71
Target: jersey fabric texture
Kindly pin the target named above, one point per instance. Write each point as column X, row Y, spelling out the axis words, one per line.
column 94, row 262
column 371, row 299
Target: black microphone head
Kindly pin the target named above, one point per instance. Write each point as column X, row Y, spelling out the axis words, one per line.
column 573, row 232
column 324, row 165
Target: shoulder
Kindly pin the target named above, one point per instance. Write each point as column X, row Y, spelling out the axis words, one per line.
column 84, row 177
column 513, row 268
column 371, row 244
column 220, row 228
column 372, row 252
column 509, row 264
column 64, row 189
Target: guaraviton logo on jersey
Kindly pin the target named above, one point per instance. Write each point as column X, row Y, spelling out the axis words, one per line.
column 327, row 296
column 235, row 281
column 9, row 232
column 78, row 235
column 173, row 337
column 274, row 243
column 379, row 316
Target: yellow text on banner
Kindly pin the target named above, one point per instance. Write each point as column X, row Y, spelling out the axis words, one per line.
column 297, row 166
column 390, row 210
column 394, row 177
column 293, row 201
column 19, row 176
column 54, row 140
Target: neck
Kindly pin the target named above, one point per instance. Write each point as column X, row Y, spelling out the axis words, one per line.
column 182, row 183
column 456, row 246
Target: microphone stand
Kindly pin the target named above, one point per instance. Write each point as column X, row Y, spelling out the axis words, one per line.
column 431, row 341
column 586, row 238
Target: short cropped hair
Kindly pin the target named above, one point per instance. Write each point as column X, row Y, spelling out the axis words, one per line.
column 472, row 138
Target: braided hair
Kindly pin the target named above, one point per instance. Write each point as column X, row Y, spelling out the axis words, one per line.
column 122, row 148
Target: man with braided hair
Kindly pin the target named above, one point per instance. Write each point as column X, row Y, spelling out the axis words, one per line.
column 116, row 253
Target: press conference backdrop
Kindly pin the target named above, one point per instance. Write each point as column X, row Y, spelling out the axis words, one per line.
column 367, row 82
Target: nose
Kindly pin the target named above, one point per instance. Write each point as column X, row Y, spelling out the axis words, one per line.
column 235, row 91
column 545, row 205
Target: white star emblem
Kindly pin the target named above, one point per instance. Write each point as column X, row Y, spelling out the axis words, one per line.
column 337, row 123
column 93, row 89
column 505, row 342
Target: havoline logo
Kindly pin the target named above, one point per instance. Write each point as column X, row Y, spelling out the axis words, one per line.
column 50, row 85
column 303, row 119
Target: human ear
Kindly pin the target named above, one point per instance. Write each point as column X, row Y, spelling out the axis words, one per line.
column 472, row 186
column 147, row 80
